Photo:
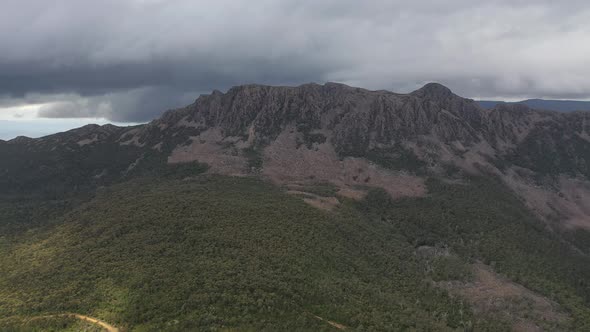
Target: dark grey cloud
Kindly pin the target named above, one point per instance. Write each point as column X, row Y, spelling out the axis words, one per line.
column 140, row 104
column 129, row 60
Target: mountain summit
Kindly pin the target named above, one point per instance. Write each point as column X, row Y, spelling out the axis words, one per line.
column 433, row 91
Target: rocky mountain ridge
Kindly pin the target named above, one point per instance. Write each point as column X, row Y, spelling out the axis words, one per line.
column 350, row 137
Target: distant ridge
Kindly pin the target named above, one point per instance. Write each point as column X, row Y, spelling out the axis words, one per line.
column 544, row 104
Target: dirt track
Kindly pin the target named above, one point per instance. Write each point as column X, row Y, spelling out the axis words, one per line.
column 103, row 324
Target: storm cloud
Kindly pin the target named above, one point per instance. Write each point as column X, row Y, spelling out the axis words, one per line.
column 130, row 60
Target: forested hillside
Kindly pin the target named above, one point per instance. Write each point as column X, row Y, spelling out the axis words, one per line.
column 212, row 252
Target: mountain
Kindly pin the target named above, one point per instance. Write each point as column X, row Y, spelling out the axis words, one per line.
column 333, row 133
column 317, row 207
column 542, row 104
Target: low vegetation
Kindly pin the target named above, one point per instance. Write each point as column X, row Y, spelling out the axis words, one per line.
column 397, row 158
column 48, row 324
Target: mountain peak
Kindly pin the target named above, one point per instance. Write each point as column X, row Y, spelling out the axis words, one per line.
column 21, row 139
column 434, row 91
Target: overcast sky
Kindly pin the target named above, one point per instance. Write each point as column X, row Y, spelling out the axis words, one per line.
column 130, row 60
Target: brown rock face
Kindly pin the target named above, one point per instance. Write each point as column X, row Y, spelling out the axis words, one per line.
column 431, row 120
column 359, row 119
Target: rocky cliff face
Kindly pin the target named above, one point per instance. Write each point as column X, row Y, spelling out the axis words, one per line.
column 359, row 119
column 355, row 138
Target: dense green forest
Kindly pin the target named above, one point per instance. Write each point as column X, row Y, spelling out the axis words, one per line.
column 170, row 253
column 47, row 324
